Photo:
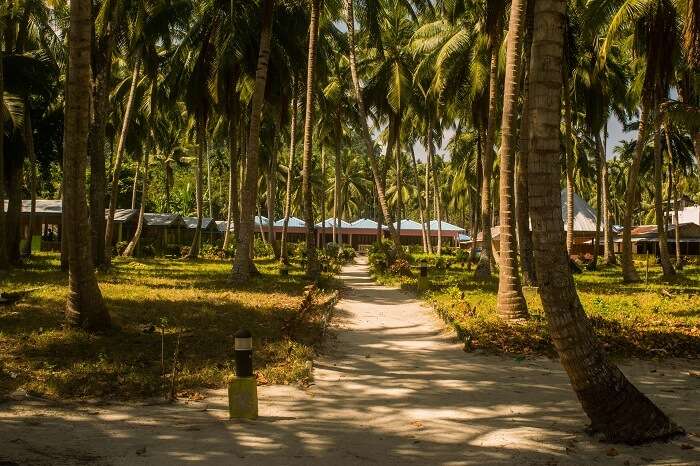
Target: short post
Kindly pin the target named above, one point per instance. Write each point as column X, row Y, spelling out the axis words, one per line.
column 243, row 389
column 423, row 281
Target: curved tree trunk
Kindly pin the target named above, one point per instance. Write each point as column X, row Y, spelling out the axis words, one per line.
column 610, row 258
column 364, row 128
column 629, row 273
column 233, row 173
column 477, row 199
column 569, row 164
column 199, row 185
column 615, row 407
column 242, row 263
column 134, row 187
column 674, row 186
column 131, row 247
column 664, row 256
column 290, row 168
column 84, row 307
column 29, row 143
column 128, row 113
column 312, row 266
column 421, row 208
column 511, row 301
column 483, row 269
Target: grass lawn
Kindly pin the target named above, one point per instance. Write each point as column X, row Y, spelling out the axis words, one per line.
column 153, row 303
column 646, row 320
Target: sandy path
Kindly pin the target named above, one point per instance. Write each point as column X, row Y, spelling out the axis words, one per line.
column 394, row 389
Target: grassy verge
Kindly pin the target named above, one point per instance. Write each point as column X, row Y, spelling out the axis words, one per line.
column 646, row 320
column 154, row 303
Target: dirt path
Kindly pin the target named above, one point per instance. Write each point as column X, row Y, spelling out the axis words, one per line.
column 394, row 389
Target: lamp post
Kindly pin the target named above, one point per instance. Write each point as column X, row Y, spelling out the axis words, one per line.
column 243, row 389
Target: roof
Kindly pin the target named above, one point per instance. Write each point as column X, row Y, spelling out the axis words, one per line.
column 43, row 206
column 462, row 238
column 329, row 222
column 444, row 226
column 260, row 220
column 364, row 224
column 191, row 222
column 408, row 225
column 123, row 215
column 687, row 230
column 584, row 215
column 689, row 214
column 221, row 225
column 294, row 222
column 162, row 220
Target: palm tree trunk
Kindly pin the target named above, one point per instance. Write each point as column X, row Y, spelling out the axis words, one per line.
column 664, row 256
column 615, row 407
column 609, row 253
column 312, row 265
column 337, row 236
column 290, row 168
column 209, row 199
column 437, row 198
column 599, row 211
column 569, row 164
column 399, row 184
column 629, row 273
column 131, row 247
column 477, row 199
column 674, row 185
column 232, row 173
column 134, row 187
column 242, row 264
column 84, row 307
column 483, row 269
column 421, row 208
column 364, row 128
column 128, row 114
column 29, row 142
column 201, row 122
column 511, row 301
column 4, row 262
column 271, row 202
column 102, row 76
column 322, row 205
column 428, row 171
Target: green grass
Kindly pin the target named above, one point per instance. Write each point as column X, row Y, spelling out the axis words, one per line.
column 646, row 320
column 154, row 302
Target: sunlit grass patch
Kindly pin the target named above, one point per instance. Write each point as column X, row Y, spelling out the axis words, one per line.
column 154, row 303
column 647, row 319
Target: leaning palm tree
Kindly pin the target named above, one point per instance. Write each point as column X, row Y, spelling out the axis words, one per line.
column 85, row 307
column 242, row 263
column 615, row 407
column 511, row 301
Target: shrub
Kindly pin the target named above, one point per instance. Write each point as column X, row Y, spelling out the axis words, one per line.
column 331, row 250
column 461, row 255
column 346, row 254
column 385, row 247
column 441, row 263
column 119, row 248
column 401, row 268
column 377, row 262
column 148, row 251
column 262, row 248
column 184, row 251
column 210, row 251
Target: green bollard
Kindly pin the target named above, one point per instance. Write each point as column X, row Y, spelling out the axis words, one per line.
column 423, row 280
column 243, row 389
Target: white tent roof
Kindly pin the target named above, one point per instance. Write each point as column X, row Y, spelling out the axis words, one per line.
column 408, row 225
column 444, row 226
column 328, row 223
column 584, row 215
column 294, row 222
column 364, row 224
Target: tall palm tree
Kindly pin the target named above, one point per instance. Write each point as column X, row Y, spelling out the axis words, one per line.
column 364, row 128
column 242, row 263
column 615, row 407
column 4, row 263
column 312, row 265
column 290, row 170
column 511, row 301
column 85, row 307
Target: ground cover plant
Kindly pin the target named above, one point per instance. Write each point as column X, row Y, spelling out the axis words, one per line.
column 154, row 303
column 646, row 320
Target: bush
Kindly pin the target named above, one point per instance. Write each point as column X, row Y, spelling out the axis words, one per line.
column 262, row 248
column 441, row 263
column 119, row 248
column 331, row 250
column 148, row 251
column 401, row 268
column 461, row 255
column 385, row 247
column 378, row 262
column 346, row 254
column 298, row 250
column 184, row 251
column 210, row 251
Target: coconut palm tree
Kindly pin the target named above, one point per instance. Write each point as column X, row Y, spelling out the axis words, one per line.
column 85, row 307
column 4, row 262
column 242, row 264
column 511, row 301
column 615, row 407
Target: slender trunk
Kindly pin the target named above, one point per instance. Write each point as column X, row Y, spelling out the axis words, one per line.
column 674, row 184
column 312, row 265
column 664, row 256
column 242, row 264
column 437, row 199
column 615, row 407
column 323, row 197
column 599, row 210
column 483, row 269
column 569, row 163
column 522, row 205
column 271, row 203
column 84, row 307
column 29, row 143
column 131, row 247
column 4, row 262
column 102, row 76
column 134, row 187
column 629, row 273
column 428, row 171
column 232, row 174
column 421, row 208
column 477, row 199
column 610, row 258
column 199, row 184
column 511, row 301
column 399, row 184
column 290, row 168
column 337, row 238
column 128, row 113
column 364, row 128
column 209, row 199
